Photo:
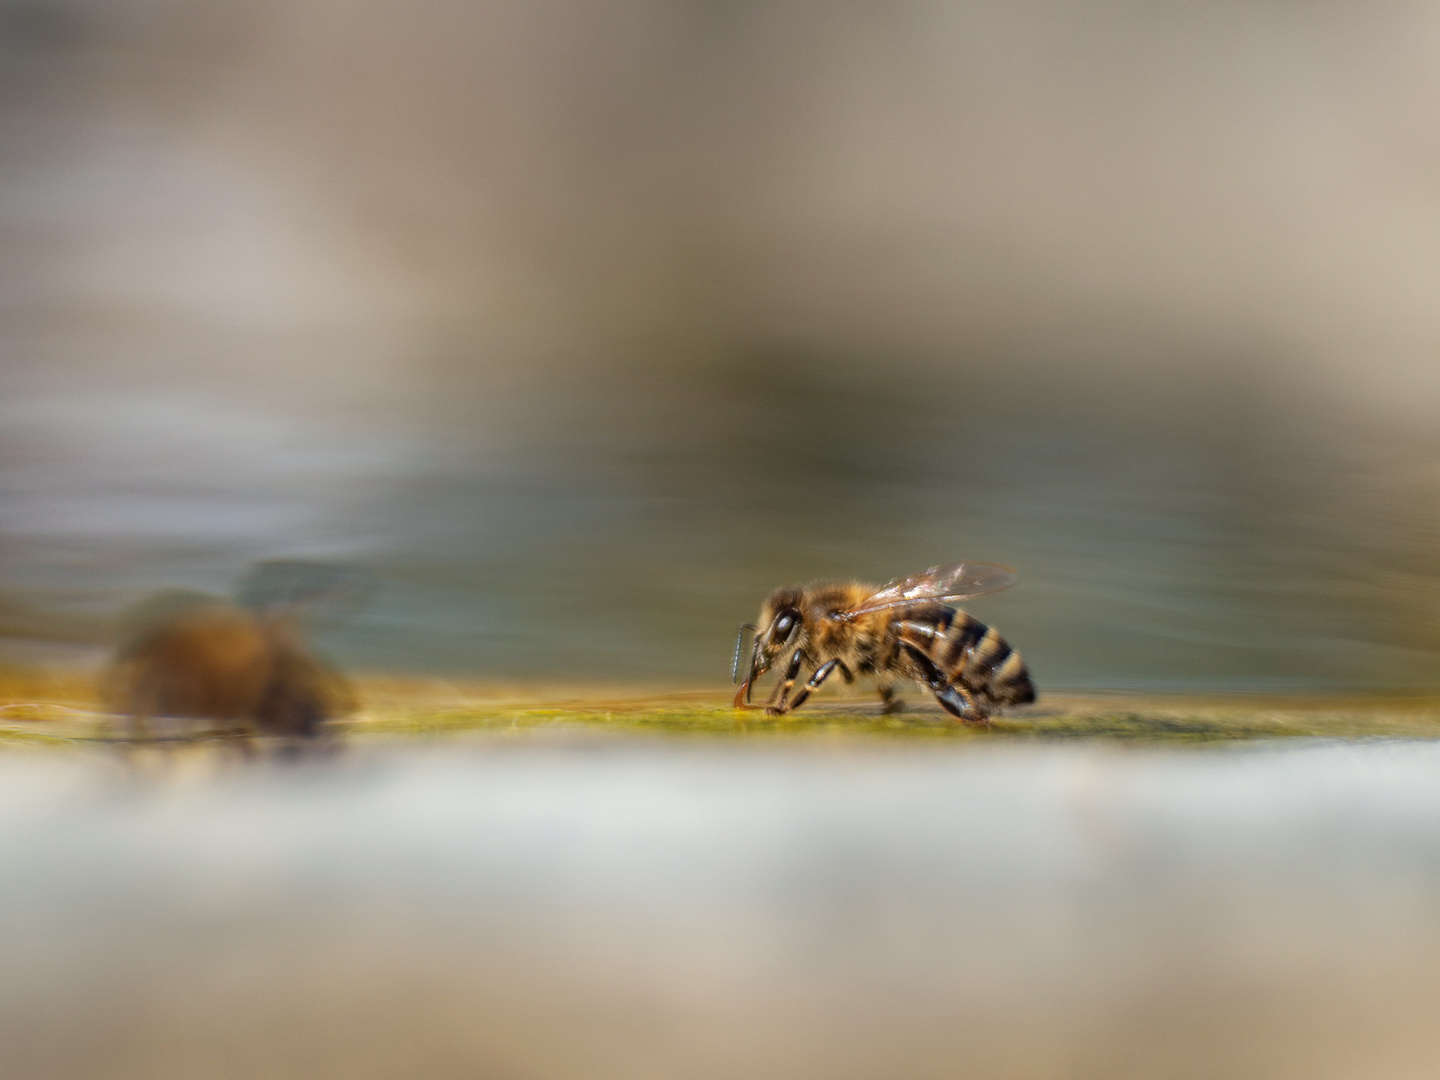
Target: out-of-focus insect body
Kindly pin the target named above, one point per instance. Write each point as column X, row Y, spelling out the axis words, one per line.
column 246, row 668
column 250, row 674
column 893, row 634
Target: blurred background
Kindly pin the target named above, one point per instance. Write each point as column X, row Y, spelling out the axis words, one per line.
column 583, row 325
column 549, row 911
column 578, row 327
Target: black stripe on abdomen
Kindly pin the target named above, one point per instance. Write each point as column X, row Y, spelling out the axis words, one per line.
column 991, row 650
column 964, row 633
column 1010, row 682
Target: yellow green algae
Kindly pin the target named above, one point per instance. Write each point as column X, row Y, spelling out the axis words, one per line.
column 40, row 709
column 1092, row 715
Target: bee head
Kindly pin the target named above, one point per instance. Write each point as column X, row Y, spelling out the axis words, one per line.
column 780, row 624
column 781, row 617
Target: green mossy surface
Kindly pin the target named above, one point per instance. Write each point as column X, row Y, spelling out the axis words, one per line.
column 1115, row 718
column 43, row 711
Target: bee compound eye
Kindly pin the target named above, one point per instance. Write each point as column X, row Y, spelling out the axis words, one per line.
column 783, row 626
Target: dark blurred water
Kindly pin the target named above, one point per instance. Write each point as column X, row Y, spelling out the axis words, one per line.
column 584, row 332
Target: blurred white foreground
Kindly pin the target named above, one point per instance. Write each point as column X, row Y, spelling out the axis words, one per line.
column 593, row 910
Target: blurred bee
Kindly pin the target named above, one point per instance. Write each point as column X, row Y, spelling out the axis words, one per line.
column 244, row 665
column 904, row 630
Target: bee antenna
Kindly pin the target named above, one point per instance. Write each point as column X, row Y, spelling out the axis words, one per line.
column 735, row 660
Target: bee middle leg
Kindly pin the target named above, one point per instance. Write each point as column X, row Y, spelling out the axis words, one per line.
column 889, row 701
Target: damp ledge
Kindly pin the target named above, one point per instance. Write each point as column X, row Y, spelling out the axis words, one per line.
column 39, row 710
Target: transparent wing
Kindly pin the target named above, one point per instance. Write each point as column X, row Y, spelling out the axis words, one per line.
column 957, row 581
column 321, row 592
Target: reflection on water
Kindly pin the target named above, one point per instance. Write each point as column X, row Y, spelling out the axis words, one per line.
column 1183, row 533
column 553, row 910
column 585, row 327
column 1169, row 530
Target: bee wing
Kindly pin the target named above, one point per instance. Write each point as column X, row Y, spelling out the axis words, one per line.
column 957, row 581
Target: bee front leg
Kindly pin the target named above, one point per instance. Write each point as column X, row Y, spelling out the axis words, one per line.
column 821, row 674
column 777, row 706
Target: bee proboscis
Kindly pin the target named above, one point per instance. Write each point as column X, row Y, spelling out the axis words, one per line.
column 904, row 630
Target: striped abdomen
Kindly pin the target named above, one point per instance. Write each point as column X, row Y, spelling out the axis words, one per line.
column 969, row 653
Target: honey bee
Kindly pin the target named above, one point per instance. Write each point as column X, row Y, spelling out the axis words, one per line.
column 903, row 630
column 251, row 674
column 243, row 664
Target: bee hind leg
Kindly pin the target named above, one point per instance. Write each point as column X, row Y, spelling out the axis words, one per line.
column 959, row 702
column 953, row 697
